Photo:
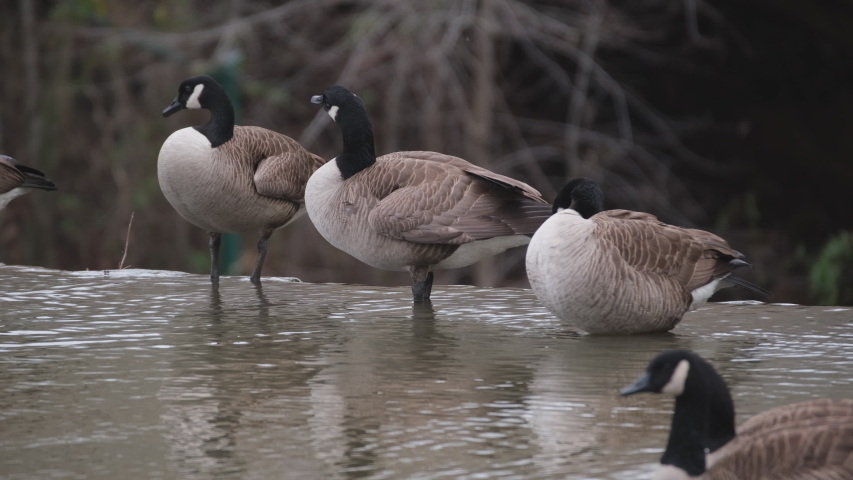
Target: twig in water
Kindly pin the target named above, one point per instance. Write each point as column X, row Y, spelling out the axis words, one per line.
column 126, row 242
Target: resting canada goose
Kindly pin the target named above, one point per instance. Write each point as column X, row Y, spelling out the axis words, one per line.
column 415, row 211
column 231, row 179
column 621, row 272
column 807, row 440
column 17, row 179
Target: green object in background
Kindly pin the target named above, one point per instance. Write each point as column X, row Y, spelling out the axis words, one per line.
column 229, row 253
column 830, row 273
column 228, row 75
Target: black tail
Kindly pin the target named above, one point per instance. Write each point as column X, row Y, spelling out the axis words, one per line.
column 749, row 287
column 35, row 181
column 28, row 170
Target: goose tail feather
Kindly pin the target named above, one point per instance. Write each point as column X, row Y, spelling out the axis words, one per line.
column 748, row 286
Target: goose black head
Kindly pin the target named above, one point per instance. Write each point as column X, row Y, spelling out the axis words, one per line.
column 348, row 111
column 704, row 418
column 667, row 373
column 581, row 195
column 204, row 92
column 341, row 104
column 197, row 92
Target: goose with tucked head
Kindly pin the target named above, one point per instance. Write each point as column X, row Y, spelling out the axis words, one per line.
column 413, row 211
column 620, row 272
column 809, row 440
column 17, row 180
column 225, row 178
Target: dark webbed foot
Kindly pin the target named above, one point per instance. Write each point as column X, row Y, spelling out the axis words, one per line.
column 215, row 243
column 262, row 254
column 421, row 290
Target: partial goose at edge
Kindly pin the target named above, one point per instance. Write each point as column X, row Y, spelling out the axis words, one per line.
column 811, row 440
column 17, row 180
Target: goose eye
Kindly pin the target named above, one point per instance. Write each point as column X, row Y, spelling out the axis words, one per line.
column 188, row 89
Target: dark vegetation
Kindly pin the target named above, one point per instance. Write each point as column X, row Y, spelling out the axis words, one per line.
column 730, row 115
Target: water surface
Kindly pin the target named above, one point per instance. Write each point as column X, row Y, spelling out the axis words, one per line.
column 143, row 374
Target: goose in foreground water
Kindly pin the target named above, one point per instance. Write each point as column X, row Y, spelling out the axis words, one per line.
column 17, row 179
column 415, row 211
column 231, row 179
column 811, row 440
column 622, row 272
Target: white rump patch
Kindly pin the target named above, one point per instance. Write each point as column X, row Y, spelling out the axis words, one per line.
column 675, row 386
column 473, row 252
column 670, row 472
column 193, row 102
column 703, row 293
column 333, row 112
column 11, row 195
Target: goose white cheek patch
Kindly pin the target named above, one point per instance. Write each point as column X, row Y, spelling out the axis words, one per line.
column 333, row 112
column 193, row 102
column 675, row 386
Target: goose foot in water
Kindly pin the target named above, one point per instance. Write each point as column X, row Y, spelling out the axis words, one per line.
column 215, row 243
column 422, row 286
column 262, row 254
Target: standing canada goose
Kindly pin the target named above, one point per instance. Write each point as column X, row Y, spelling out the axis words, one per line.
column 807, row 440
column 622, row 272
column 231, row 179
column 415, row 211
column 17, row 179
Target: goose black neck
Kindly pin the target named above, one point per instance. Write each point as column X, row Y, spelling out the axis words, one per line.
column 358, row 152
column 721, row 410
column 685, row 448
column 220, row 128
column 581, row 195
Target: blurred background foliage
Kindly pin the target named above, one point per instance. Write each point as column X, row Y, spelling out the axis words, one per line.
column 730, row 115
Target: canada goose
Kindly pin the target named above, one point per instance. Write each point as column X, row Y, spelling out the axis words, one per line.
column 231, row 179
column 807, row 440
column 415, row 211
column 622, row 272
column 17, row 179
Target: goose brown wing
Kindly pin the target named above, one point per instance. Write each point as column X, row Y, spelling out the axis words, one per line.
column 470, row 168
column 648, row 245
column 281, row 165
column 716, row 261
column 840, row 410
column 285, row 175
column 807, row 449
column 435, row 201
column 10, row 177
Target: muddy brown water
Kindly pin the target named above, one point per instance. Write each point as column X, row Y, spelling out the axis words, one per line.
column 144, row 374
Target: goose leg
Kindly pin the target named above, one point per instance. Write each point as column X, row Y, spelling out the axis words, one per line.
column 262, row 254
column 421, row 283
column 215, row 242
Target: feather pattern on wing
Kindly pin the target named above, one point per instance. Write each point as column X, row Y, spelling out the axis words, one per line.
column 281, row 166
column 690, row 256
column 811, row 440
column 427, row 197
